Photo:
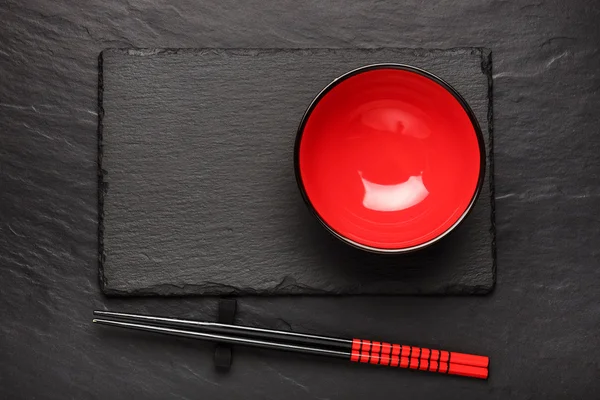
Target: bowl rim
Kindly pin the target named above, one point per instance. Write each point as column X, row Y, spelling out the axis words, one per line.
column 419, row 71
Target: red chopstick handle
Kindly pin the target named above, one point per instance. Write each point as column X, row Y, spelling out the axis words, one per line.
column 402, row 356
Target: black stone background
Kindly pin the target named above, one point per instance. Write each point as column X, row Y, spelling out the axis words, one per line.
column 198, row 189
column 540, row 325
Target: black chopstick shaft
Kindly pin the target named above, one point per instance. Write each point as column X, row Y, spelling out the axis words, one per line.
column 225, row 338
column 261, row 334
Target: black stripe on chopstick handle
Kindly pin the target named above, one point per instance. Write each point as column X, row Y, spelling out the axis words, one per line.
column 412, row 357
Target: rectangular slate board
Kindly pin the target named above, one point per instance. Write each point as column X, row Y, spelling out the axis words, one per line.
column 197, row 188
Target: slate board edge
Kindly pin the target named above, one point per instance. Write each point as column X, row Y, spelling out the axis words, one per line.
column 487, row 68
column 101, row 184
column 190, row 289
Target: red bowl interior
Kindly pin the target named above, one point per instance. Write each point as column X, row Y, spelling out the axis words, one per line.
column 389, row 158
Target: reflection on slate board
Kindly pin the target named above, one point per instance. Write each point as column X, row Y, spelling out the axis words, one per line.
column 197, row 187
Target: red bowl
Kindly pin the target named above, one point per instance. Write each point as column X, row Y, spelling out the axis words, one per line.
column 390, row 158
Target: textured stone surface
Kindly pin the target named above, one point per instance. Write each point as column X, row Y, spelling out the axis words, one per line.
column 199, row 191
column 540, row 325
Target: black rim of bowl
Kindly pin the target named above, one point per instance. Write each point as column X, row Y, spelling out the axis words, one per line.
column 445, row 85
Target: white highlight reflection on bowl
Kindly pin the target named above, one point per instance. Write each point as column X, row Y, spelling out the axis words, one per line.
column 395, row 197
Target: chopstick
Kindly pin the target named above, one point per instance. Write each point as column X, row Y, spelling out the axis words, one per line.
column 352, row 345
column 356, row 350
